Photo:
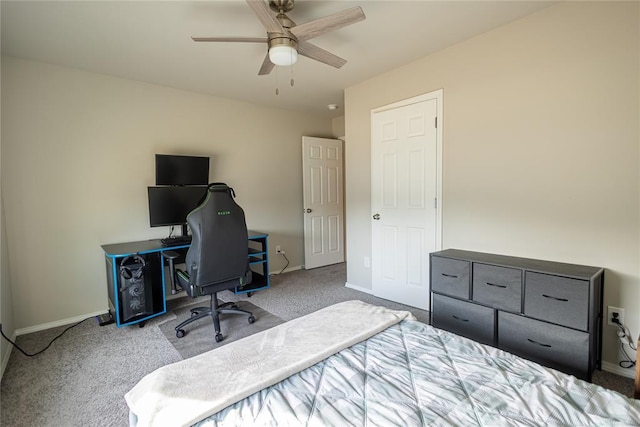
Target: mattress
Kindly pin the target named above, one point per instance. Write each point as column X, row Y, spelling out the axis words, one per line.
column 412, row 374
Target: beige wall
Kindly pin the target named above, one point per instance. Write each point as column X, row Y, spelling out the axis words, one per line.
column 78, row 153
column 338, row 126
column 541, row 145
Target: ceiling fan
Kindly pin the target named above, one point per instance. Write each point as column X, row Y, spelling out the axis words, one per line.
column 285, row 39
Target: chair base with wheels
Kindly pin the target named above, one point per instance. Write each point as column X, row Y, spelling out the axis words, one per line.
column 215, row 310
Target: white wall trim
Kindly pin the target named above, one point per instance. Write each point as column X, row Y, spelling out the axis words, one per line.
column 63, row 322
column 288, row 270
column 7, row 355
column 55, row 324
column 618, row 370
column 42, row 327
column 358, row 288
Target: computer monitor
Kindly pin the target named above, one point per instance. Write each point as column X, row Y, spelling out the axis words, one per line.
column 171, row 205
column 181, row 170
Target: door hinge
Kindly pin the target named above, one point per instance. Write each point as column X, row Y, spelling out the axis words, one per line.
column 435, row 203
column 436, row 121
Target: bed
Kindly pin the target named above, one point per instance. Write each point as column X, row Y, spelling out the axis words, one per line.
column 358, row 364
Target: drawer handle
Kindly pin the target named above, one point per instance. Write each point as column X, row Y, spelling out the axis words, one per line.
column 555, row 298
column 496, row 285
column 538, row 343
column 459, row 318
column 450, row 275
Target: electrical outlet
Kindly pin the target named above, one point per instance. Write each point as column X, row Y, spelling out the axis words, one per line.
column 615, row 312
column 278, row 249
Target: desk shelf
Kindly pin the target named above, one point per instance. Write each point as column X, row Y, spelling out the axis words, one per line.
column 259, row 263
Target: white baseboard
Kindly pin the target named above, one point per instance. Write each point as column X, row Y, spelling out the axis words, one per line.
column 287, row 270
column 6, row 355
column 618, row 370
column 49, row 325
column 606, row 366
column 42, row 327
column 358, row 288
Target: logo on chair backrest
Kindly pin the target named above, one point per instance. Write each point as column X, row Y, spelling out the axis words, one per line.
column 222, row 213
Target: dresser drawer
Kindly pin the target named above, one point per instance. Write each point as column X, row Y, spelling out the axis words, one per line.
column 499, row 287
column 557, row 299
column 464, row 318
column 554, row 346
column 450, row 276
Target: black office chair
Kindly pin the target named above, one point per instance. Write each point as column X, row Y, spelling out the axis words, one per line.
column 218, row 258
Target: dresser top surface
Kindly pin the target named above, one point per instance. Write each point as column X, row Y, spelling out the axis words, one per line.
column 542, row 266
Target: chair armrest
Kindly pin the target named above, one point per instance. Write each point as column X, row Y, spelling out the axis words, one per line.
column 170, row 254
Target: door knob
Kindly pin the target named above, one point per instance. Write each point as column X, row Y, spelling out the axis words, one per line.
column 307, row 210
column 376, row 217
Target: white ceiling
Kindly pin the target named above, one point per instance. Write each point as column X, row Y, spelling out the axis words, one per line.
column 150, row 41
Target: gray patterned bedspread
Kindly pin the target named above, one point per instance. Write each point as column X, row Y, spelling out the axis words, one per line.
column 414, row 375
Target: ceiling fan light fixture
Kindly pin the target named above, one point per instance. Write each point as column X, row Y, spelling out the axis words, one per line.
column 283, row 34
column 283, row 55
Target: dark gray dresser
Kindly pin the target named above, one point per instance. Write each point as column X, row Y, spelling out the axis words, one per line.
column 545, row 311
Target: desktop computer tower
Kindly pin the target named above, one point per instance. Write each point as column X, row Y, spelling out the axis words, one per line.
column 135, row 290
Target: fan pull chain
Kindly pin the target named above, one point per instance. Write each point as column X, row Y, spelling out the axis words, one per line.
column 291, row 69
column 291, row 81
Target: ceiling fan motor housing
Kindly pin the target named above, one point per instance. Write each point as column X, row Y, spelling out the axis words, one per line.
column 281, row 5
column 276, row 39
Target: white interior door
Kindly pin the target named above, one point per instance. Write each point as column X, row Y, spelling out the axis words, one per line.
column 322, row 180
column 404, row 199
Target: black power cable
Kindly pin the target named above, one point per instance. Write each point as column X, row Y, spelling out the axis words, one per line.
column 48, row 345
column 285, row 266
column 623, row 338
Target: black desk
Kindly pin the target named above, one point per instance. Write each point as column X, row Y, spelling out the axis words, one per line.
column 131, row 305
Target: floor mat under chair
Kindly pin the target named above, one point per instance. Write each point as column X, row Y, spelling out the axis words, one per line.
column 200, row 335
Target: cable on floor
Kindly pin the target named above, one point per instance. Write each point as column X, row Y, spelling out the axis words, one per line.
column 48, row 345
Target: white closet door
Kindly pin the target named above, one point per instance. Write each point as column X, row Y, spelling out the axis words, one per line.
column 404, row 200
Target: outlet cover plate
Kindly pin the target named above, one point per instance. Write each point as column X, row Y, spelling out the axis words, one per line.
column 610, row 311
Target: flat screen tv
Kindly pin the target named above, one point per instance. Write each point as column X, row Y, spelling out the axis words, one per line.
column 171, row 205
column 181, row 170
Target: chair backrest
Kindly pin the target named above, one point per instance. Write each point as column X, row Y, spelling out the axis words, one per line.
column 219, row 248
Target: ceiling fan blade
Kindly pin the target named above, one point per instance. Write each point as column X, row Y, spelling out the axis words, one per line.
column 332, row 22
column 266, row 67
column 262, row 11
column 231, row 39
column 314, row 52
